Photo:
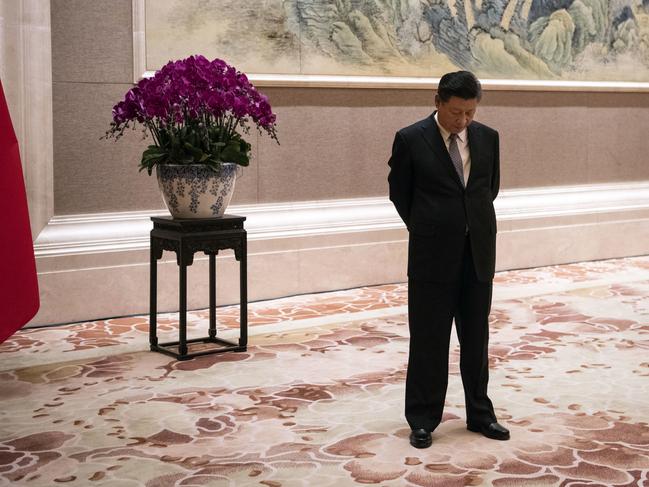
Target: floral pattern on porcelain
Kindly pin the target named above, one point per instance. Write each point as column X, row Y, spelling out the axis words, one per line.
column 196, row 190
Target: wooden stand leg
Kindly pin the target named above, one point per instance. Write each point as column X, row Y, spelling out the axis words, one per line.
column 212, row 332
column 153, row 299
column 243, row 295
column 182, row 311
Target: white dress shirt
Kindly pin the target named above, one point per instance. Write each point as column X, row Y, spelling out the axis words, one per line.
column 462, row 145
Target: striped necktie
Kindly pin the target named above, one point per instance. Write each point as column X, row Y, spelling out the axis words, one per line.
column 454, row 152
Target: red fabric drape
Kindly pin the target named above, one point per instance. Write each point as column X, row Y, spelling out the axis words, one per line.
column 18, row 283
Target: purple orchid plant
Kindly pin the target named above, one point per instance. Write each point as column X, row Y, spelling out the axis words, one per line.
column 194, row 109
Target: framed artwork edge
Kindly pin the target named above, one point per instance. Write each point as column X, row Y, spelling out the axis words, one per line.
column 378, row 82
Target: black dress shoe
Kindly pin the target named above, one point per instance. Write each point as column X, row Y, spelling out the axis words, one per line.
column 420, row 438
column 495, row 431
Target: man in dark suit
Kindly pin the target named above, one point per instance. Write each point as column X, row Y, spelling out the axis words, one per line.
column 444, row 177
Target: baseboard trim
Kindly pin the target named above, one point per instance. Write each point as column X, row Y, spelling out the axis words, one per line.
column 128, row 231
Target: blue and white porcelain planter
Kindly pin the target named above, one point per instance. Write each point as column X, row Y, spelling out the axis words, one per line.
column 196, row 190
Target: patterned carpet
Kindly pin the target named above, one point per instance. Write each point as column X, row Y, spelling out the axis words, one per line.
column 318, row 398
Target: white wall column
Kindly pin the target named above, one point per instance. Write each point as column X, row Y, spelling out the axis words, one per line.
column 26, row 73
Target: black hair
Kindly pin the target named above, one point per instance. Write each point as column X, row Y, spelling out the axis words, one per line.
column 462, row 84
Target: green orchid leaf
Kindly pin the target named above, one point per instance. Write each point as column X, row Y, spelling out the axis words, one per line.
column 232, row 154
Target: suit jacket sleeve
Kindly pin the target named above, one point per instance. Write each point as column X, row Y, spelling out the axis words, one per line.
column 495, row 176
column 400, row 177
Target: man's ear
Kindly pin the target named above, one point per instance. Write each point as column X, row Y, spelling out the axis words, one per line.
column 437, row 100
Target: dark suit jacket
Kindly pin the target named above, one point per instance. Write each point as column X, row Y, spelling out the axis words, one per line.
column 429, row 197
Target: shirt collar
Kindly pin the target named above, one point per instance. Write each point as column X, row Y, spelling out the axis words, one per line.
column 461, row 136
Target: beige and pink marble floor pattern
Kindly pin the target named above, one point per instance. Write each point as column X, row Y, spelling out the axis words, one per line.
column 317, row 399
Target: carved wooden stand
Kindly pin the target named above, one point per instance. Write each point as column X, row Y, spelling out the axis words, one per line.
column 186, row 237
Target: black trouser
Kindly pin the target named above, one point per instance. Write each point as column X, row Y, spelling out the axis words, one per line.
column 431, row 309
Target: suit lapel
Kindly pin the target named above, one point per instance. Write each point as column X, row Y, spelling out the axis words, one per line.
column 473, row 134
column 433, row 137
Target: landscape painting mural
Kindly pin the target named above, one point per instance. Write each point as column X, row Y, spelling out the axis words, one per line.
column 582, row 40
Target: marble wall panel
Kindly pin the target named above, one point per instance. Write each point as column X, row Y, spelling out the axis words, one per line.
column 617, row 142
column 92, row 41
column 335, row 143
